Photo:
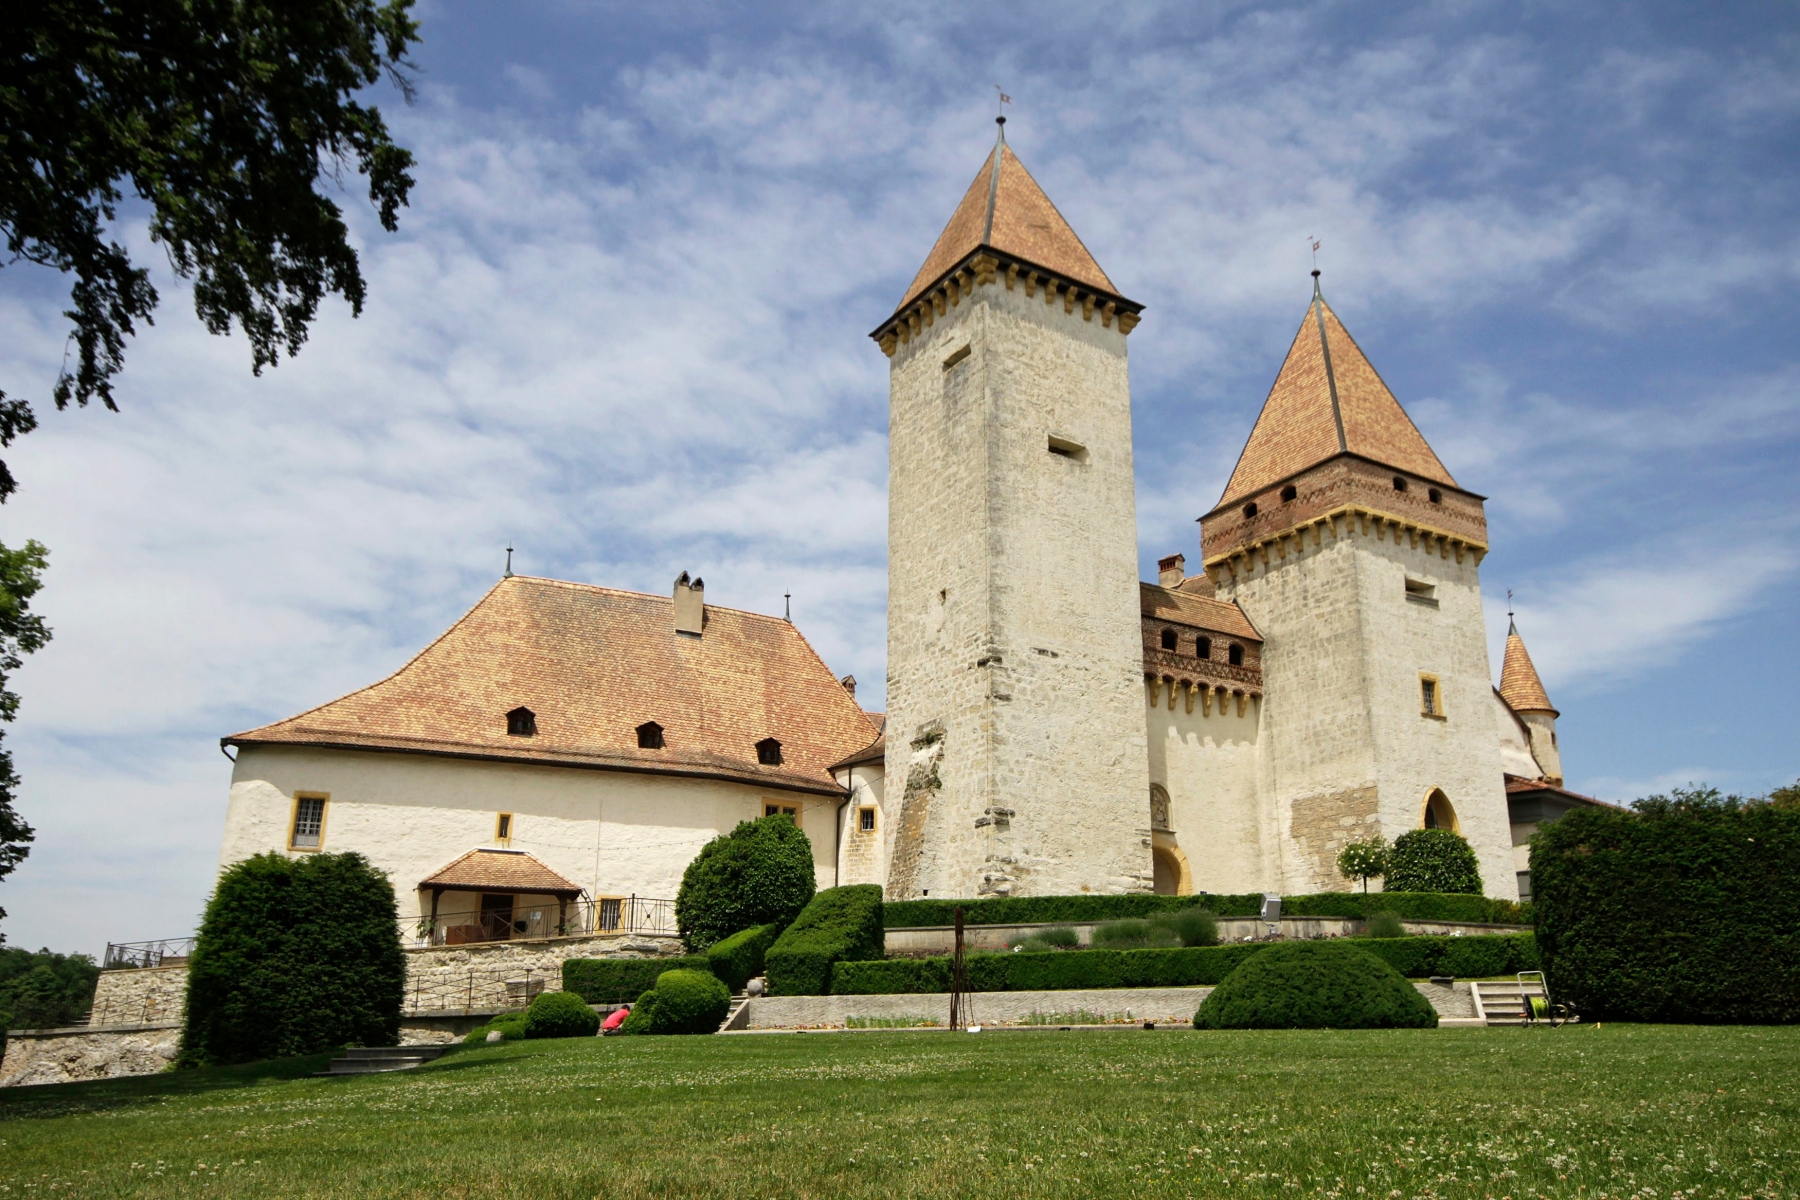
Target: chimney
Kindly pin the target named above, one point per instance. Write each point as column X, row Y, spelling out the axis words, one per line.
column 849, row 682
column 690, row 606
column 1172, row 570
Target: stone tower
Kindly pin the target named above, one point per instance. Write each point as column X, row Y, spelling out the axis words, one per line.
column 1356, row 556
column 1524, row 692
column 1015, row 744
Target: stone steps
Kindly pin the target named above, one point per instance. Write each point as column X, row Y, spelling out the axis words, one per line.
column 1504, row 1003
column 372, row 1060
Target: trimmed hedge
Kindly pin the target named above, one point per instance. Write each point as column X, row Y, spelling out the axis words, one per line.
column 621, row 980
column 683, row 1001
column 739, row 958
column 1689, row 914
column 759, row 872
column 560, row 1015
column 843, row 923
column 1028, row 910
column 1315, row 985
column 1433, row 860
column 510, row 1027
column 295, row 956
column 1415, row 957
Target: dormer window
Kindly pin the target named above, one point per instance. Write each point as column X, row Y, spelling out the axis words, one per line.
column 1289, row 492
column 1168, row 639
column 768, row 752
column 650, row 736
column 1203, row 647
column 1235, row 656
column 1249, row 510
column 521, row 722
column 1399, row 483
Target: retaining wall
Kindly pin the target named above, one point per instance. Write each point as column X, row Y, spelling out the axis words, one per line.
column 908, row 941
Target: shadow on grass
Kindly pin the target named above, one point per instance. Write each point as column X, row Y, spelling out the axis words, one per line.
column 100, row 1095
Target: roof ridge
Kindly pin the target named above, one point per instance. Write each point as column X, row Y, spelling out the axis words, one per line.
column 612, row 591
column 1318, row 307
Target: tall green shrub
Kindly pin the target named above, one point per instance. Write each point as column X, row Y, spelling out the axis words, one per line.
column 294, row 956
column 1433, row 860
column 841, row 924
column 1686, row 911
column 739, row 958
column 760, row 872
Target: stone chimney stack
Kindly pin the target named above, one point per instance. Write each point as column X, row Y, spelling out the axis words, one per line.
column 849, row 682
column 690, row 606
column 1172, row 570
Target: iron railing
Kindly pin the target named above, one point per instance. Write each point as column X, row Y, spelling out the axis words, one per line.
column 169, row 952
column 546, row 919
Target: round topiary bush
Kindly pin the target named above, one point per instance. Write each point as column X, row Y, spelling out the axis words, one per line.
column 1432, row 860
column 682, row 1001
column 1315, row 985
column 560, row 1014
column 759, row 873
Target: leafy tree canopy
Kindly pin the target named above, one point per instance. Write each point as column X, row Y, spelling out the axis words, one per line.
column 1433, row 860
column 1703, row 798
column 21, row 632
column 1364, row 860
column 222, row 117
column 759, row 873
column 44, row 990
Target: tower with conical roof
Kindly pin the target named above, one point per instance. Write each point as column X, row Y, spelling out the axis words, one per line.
column 1016, row 749
column 1524, row 693
column 1356, row 554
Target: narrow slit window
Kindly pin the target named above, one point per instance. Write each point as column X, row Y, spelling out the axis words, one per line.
column 1063, row 448
column 1431, row 696
column 1168, row 639
column 1236, row 655
column 1203, row 647
column 867, row 823
column 503, row 827
column 768, row 752
column 309, row 823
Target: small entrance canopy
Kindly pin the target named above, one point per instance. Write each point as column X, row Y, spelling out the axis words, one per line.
column 501, row 871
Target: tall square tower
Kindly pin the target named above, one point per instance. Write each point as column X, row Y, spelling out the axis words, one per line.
column 1016, row 759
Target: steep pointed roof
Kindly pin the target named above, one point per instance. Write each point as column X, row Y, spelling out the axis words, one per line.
column 1328, row 400
column 1520, row 686
column 1006, row 210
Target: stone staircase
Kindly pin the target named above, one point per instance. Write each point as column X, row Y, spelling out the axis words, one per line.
column 1503, row 1002
column 373, row 1059
column 739, row 1015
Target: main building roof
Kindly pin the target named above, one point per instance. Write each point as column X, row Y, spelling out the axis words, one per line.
column 593, row 664
column 1328, row 400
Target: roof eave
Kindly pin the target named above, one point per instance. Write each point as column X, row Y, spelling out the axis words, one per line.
column 962, row 264
column 1225, row 503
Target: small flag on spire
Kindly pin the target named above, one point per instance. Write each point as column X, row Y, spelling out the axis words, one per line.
column 1004, row 98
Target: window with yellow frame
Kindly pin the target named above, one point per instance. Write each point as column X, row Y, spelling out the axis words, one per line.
column 306, row 825
column 1431, row 696
column 503, row 828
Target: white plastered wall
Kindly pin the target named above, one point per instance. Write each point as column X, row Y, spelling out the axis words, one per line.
column 1208, row 763
column 614, row 833
column 863, row 857
column 1013, row 623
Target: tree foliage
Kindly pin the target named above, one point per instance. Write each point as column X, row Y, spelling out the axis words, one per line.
column 1315, row 985
column 1433, row 860
column 44, row 990
column 21, row 632
column 1364, row 860
column 294, row 956
column 759, row 873
column 223, row 118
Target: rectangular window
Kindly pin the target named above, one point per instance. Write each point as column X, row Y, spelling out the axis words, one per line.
column 868, row 820
column 1422, row 592
column 770, row 810
column 1063, row 448
column 309, row 823
column 1431, row 698
column 611, row 910
column 503, row 827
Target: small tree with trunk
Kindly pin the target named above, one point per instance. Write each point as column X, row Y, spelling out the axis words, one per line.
column 1364, row 860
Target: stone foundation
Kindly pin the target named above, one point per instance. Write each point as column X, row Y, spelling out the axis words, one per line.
column 71, row 1055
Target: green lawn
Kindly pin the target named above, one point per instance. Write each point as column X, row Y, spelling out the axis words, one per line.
column 1590, row 1112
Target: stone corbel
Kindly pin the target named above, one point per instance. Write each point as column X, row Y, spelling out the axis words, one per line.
column 984, row 265
column 1205, row 700
column 1459, row 548
column 1106, row 314
column 1171, row 682
column 1187, row 693
column 1050, row 289
column 1012, row 276
column 938, row 301
column 927, row 314
column 1240, row 699
column 1128, row 321
column 1031, row 282
column 1087, row 306
column 890, row 341
column 1155, row 690
column 1070, row 295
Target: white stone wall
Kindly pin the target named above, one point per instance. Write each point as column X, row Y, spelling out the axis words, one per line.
column 71, row 1055
column 863, row 857
column 614, row 833
column 1208, row 761
column 1345, row 749
column 1014, row 651
column 1515, row 742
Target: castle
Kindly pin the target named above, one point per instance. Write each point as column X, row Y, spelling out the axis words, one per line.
column 1054, row 725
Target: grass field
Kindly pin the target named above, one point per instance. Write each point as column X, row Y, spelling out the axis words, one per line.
column 1591, row 1112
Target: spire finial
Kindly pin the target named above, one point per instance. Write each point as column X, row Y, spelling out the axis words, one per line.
column 509, row 573
column 1512, row 626
column 1315, row 260
column 787, row 607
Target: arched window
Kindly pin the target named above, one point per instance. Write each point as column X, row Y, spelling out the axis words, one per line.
column 1435, row 496
column 1289, row 492
column 1439, row 813
column 521, row 722
column 1249, row 510
column 650, row 736
column 768, row 752
column 1399, row 483
column 1168, row 639
column 1235, row 655
column 1203, row 647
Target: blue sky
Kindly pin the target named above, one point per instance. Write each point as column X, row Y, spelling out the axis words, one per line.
column 622, row 328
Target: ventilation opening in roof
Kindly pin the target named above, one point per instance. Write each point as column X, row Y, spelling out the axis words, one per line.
column 1236, row 655
column 521, row 722
column 1064, row 448
column 1249, row 510
column 650, row 736
column 1289, row 492
column 1168, row 639
column 1399, row 483
column 768, row 752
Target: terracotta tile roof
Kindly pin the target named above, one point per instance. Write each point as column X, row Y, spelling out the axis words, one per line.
column 501, row 871
column 1328, row 400
column 1220, row 616
column 592, row 664
column 1010, row 214
column 874, row 752
column 1520, row 686
column 1518, row 784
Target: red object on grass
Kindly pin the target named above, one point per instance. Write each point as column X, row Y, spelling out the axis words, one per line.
column 616, row 1018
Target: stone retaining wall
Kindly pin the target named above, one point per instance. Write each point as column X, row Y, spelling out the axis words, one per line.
column 913, row 940
column 145, row 996
column 70, row 1055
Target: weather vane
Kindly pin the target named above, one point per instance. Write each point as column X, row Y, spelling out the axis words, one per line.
column 1315, row 252
column 1509, row 611
column 509, row 550
column 1000, row 109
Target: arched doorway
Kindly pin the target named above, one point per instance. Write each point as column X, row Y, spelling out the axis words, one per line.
column 1439, row 813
